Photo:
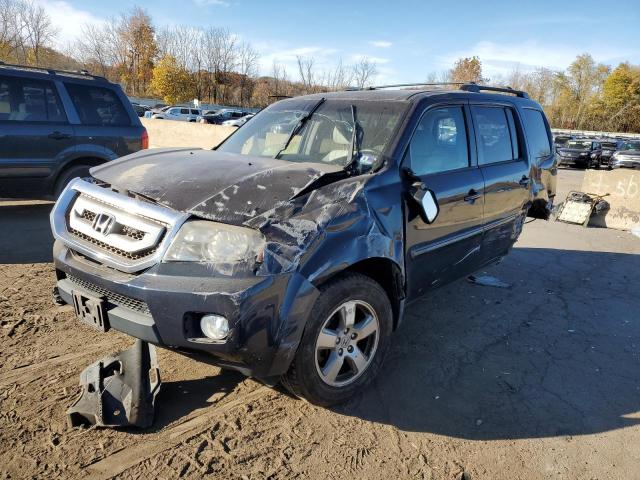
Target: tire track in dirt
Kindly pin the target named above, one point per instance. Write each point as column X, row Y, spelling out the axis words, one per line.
column 132, row 455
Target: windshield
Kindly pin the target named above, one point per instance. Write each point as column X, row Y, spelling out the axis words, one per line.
column 631, row 146
column 325, row 137
column 582, row 145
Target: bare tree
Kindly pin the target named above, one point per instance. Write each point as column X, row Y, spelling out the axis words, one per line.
column 306, row 70
column 247, row 68
column 340, row 78
column 39, row 31
column 220, row 54
column 364, row 71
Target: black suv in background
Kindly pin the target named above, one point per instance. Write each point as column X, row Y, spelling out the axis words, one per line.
column 290, row 256
column 580, row 152
column 55, row 125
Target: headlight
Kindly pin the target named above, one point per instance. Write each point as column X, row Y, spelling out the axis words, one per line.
column 211, row 242
column 583, row 154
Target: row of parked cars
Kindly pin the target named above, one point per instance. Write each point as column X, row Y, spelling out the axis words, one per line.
column 227, row 116
column 586, row 152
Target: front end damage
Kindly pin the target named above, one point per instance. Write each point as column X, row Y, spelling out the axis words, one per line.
column 266, row 303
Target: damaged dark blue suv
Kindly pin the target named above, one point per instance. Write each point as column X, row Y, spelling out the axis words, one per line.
column 290, row 251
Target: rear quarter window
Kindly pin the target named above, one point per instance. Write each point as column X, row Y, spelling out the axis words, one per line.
column 98, row 105
column 537, row 133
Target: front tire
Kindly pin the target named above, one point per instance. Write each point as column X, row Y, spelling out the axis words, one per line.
column 68, row 175
column 344, row 343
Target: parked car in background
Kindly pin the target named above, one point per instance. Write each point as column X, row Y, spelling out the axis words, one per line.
column 627, row 156
column 222, row 116
column 238, row 122
column 560, row 141
column 55, row 125
column 181, row 114
column 580, row 152
column 140, row 109
column 290, row 257
column 609, row 147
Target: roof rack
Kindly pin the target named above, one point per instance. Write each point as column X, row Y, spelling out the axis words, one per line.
column 474, row 87
column 465, row 86
column 52, row 71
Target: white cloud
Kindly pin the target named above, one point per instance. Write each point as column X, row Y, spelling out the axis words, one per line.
column 67, row 19
column 377, row 60
column 380, row 43
column 205, row 3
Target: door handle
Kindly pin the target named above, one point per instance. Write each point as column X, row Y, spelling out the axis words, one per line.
column 59, row 135
column 524, row 181
column 472, row 196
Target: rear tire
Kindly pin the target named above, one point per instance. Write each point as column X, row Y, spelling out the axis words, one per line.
column 344, row 342
column 68, row 175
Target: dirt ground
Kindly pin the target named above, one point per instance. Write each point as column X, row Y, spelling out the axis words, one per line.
column 537, row 381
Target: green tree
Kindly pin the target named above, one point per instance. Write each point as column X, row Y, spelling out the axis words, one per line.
column 172, row 82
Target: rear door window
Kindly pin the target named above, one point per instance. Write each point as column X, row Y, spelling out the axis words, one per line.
column 439, row 143
column 26, row 100
column 537, row 133
column 496, row 135
column 97, row 105
column 184, row 111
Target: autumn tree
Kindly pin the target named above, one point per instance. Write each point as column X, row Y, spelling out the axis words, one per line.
column 171, row 81
column 467, row 69
column 137, row 36
column 621, row 98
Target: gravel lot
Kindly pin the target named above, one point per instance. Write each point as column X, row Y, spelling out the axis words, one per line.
column 540, row 380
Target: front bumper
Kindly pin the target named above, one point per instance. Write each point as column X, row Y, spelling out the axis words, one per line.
column 266, row 313
column 573, row 162
column 617, row 163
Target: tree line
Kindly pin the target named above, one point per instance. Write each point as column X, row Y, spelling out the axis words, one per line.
column 180, row 63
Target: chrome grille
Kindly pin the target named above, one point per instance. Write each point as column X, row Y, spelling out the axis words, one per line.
column 117, row 230
column 111, row 249
column 112, row 297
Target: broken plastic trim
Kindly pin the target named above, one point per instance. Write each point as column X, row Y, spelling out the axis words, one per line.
column 118, row 391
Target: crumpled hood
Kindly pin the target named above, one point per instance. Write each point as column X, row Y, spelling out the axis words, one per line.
column 219, row 186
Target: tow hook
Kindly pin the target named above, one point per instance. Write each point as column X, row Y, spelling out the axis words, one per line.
column 118, row 391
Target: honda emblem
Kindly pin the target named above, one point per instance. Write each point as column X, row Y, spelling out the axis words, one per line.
column 104, row 223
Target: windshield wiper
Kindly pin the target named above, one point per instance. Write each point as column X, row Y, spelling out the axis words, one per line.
column 299, row 126
column 355, row 140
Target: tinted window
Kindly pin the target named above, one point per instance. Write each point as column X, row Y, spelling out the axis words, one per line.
column 537, row 134
column 195, row 112
column 97, row 105
column 439, row 142
column 184, row 111
column 493, row 134
column 24, row 100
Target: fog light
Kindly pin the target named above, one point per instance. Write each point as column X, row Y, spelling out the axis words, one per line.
column 214, row 327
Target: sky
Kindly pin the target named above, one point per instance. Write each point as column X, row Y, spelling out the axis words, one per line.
column 407, row 40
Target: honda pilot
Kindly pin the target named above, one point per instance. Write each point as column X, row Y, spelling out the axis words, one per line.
column 291, row 255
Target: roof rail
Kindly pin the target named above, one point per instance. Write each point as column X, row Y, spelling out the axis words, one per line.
column 474, row 87
column 403, row 85
column 465, row 86
column 52, row 71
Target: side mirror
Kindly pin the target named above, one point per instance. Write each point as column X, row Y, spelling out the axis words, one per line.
column 427, row 201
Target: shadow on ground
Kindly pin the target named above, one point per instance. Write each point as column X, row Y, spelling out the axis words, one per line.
column 25, row 234
column 557, row 354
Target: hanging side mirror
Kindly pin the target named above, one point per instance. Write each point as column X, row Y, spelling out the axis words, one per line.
column 426, row 200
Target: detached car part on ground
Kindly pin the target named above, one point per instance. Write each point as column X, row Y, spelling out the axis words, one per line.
column 290, row 256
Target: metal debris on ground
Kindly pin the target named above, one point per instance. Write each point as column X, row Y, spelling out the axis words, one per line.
column 579, row 206
column 118, row 391
column 487, row 281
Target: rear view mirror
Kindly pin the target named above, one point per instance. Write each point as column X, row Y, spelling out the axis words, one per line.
column 427, row 202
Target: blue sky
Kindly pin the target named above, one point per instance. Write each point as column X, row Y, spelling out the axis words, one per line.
column 407, row 39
